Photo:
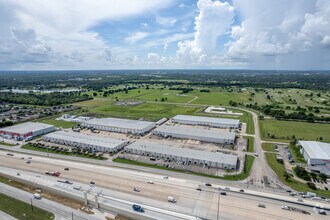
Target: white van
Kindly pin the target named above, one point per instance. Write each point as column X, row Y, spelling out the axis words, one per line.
column 171, row 199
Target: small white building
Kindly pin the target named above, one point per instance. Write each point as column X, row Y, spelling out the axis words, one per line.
column 206, row 121
column 119, row 125
column 317, row 155
column 200, row 134
column 212, row 159
column 84, row 141
column 26, row 130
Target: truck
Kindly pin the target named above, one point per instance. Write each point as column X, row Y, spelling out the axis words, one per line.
column 56, row 173
column 310, row 194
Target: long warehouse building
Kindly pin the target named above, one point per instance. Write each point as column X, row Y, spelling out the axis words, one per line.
column 199, row 134
column 206, row 121
column 84, row 141
column 317, row 155
column 26, row 130
column 213, row 159
column 119, row 125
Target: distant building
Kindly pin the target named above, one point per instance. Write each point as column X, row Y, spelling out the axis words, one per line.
column 212, row 159
column 206, row 121
column 26, row 130
column 85, row 141
column 200, row 134
column 317, row 155
column 119, row 125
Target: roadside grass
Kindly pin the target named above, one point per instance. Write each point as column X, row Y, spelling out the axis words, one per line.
column 22, row 210
column 237, row 177
column 297, row 156
column 30, row 147
column 284, row 130
column 268, row 147
column 7, row 144
column 279, row 169
column 250, row 144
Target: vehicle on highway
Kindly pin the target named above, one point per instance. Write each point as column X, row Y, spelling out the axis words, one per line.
column 256, row 154
column 288, row 191
column 223, row 193
column 293, row 194
column 241, row 190
column 18, row 174
column 321, row 212
column 199, row 189
column 137, row 208
column 66, row 169
column 327, row 200
column 22, row 158
column 310, row 194
column 171, row 199
column 30, row 158
column 65, row 181
column 227, row 188
column 28, row 162
column 56, row 173
column 37, row 196
column 10, row 154
column 208, row 184
column 285, row 207
column 150, row 182
column 136, row 189
column 77, row 188
column 301, row 193
column 92, row 183
column 165, row 177
column 316, row 198
column 261, row 205
column 300, row 200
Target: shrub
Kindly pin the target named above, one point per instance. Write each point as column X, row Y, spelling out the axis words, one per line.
column 311, row 185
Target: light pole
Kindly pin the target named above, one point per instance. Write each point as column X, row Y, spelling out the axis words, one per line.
column 218, row 204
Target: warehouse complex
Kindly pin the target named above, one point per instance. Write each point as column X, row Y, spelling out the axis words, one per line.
column 26, row 130
column 96, row 143
column 119, row 125
column 206, row 121
column 213, row 159
column 317, row 155
column 199, row 134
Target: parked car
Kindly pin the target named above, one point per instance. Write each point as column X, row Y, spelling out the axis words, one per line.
column 92, row 183
column 136, row 189
column 66, row 169
column 261, row 206
column 150, row 182
column 208, row 184
column 28, row 162
column 285, row 207
column 199, row 189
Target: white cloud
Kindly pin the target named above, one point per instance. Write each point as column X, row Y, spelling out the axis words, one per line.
column 165, row 47
column 165, row 21
column 135, row 37
column 214, row 20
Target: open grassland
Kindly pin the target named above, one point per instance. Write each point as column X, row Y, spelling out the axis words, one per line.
column 268, row 147
column 279, row 169
column 22, row 210
column 219, row 98
column 283, row 130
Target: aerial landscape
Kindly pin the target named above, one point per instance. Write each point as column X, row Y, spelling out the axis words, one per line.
column 163, row 109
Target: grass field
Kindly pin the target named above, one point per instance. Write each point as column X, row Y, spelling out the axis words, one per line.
column 7, row 144
column 250, row 144
column 268, row 147
column 237, row 177
column 292, row 183
column 22, row 210
column 30, row 147
column 283, row 130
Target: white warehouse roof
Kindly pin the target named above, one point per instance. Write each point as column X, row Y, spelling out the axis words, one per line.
column 316, row 150
column 195, row 132
column 120, row 123
column 26, row 127
column 86, row 139
column 224, row 121
column 184, row 152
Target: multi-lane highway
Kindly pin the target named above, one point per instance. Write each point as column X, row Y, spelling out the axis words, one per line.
column 118, row 183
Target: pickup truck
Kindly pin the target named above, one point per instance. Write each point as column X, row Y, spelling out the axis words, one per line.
column 137, row 208
column 56, row 173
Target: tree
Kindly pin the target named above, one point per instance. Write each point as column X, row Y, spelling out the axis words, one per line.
column 286, row 175
column 94, row 94
column 323, row 176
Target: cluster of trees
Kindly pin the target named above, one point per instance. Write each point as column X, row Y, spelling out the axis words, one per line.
column 113, row 91
column 302, row 173
column 204, row 90
column 183, row 89
column 45, row 99
column 5, row 123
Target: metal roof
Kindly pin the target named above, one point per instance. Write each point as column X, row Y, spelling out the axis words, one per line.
column 120, row 123
column 196, row 132
column 224, row 121
column 316, row 150
column 184, row 152
column 26, row 127
column 86, row 139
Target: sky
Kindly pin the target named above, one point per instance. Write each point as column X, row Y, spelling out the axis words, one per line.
column 164, row 34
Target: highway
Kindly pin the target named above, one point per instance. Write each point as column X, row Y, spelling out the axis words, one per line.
column 119, row 183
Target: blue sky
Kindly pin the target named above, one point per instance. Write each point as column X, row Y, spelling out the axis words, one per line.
column 129, row 34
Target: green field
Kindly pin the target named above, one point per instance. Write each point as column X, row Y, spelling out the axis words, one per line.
column 250, row 144
column 283, row 130
column 22, row 210
column 292, row 183
column 268, row 147
column 237, row 177
column 7, row 144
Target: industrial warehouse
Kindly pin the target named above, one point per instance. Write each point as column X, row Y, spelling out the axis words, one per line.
column 96, row 143
column 317, row 155
column 206, row 121
column 119, row 125
column 26, row 130
column 212, row 159
column 199, row 134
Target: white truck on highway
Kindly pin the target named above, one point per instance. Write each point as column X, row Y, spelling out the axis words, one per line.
column 310, row 194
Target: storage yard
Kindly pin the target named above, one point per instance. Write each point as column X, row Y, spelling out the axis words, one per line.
column 26, row 130
column 95, row 143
